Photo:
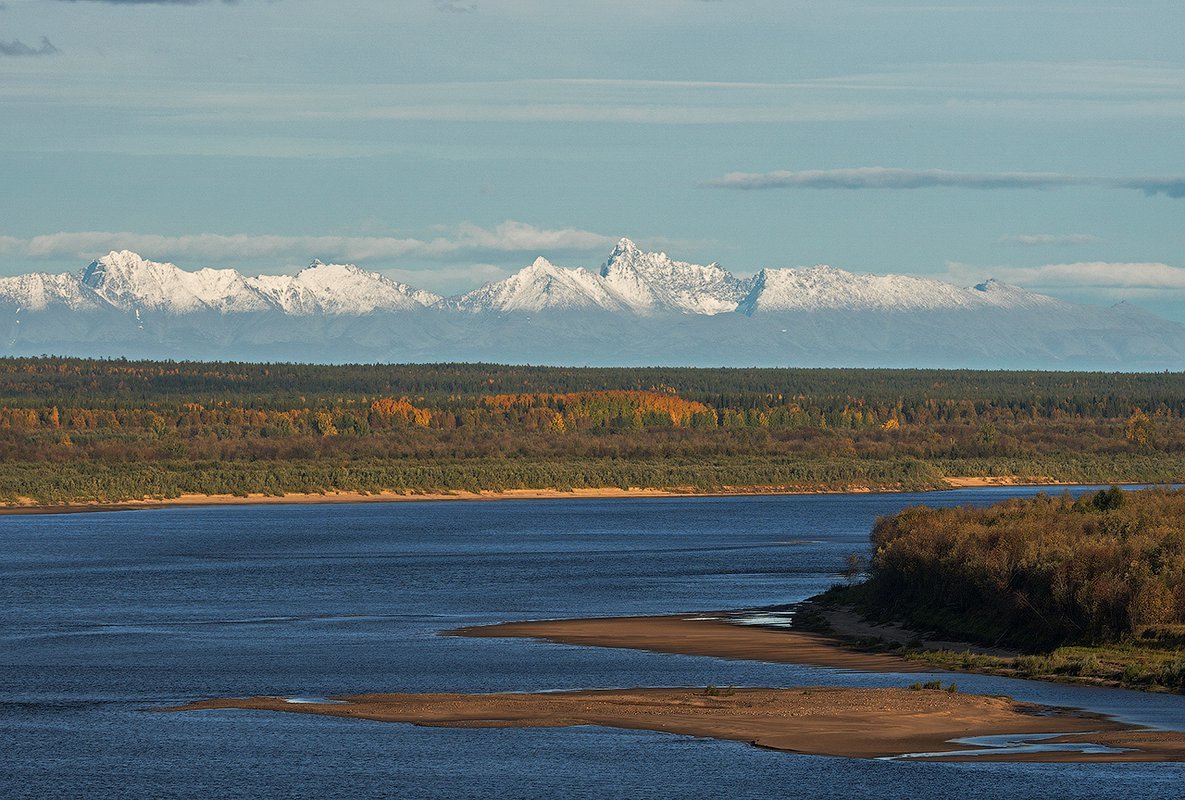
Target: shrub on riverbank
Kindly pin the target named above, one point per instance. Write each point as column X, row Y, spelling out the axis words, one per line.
column 1039, row 573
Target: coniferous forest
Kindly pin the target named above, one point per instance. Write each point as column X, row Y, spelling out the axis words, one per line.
column 74, row 430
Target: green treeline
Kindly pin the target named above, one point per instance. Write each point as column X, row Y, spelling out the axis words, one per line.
column 1042, row 572
column 114, row 429
column 112, row 482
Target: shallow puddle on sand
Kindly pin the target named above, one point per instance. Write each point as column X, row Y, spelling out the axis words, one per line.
column 1016, row 743
column 306, row 700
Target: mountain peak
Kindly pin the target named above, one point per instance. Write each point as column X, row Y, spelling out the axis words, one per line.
column 825, row 287
column 126, row 280
column 117, row 261
column 625, row 245
column 543, row 286
column 338, row 289
column 329, row 271
column 626, row 311
column 655, row 282
column 123, row 258
column 996, row 292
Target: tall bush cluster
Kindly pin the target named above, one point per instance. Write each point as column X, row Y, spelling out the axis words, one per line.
column 1048, row 570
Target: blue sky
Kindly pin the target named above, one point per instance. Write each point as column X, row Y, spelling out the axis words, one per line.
column 448, row 142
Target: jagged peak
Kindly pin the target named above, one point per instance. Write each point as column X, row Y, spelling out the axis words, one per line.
column 90, row 272
column 627, row 257
column 224, row 272
column 122, row 257
column 648, row 282
column 625, row 245
column 815, row 273
column 630, row 280
column 319, row 267
column 542, row 268
column 114, row 261
column 539, row 286
column 630, row 257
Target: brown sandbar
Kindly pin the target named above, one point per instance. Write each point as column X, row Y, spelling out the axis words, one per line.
column 857, row 723
column 695, row 636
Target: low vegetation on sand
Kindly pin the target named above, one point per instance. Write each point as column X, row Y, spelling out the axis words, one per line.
column 1089, row 589
column 76, row 430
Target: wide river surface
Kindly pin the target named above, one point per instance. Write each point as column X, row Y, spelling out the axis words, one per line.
column 106, row 615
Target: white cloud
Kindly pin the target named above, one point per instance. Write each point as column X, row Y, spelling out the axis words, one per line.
column 1080, row 275
column 895, row 178
column 892, row 178
column 1051, row 239
column 1086, row 78
column 462, row 242
column 1063, row 90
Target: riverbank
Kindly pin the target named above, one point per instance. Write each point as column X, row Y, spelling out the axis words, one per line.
column 29, row 506
column 1085, row 590
column 854, row 723
column 824, row 636
column 309, row 498
column 1134, row 664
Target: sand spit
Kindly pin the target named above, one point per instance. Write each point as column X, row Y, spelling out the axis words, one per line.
column 695, row 635
column 856, row 723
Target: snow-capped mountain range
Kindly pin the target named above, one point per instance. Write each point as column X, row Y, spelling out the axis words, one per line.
column 637, row 308
column 126, row 281
column 630, row 281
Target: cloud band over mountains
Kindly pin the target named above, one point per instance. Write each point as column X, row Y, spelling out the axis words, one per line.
column 900, row 179
column 1051, row 239
column 1152, row 275
column 466, row 241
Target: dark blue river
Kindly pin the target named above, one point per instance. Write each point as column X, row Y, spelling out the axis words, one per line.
column 105, row 615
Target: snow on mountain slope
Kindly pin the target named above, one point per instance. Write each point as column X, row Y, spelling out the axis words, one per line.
column 542, row 286
column 38, row 291
column 652, row 281
column 630, row 281
column 998, row 293
column 339, row 289
column 639, row 308
column 824, row 287
column 127, row 281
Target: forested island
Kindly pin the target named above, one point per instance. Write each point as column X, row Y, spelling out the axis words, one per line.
column 102, row 431
column 1089, row 589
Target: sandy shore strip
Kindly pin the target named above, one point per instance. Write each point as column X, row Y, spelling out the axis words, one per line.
column 700, row 635
column 295, row 498
column 857, row 723
column 982, row 481
column 29, row 506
